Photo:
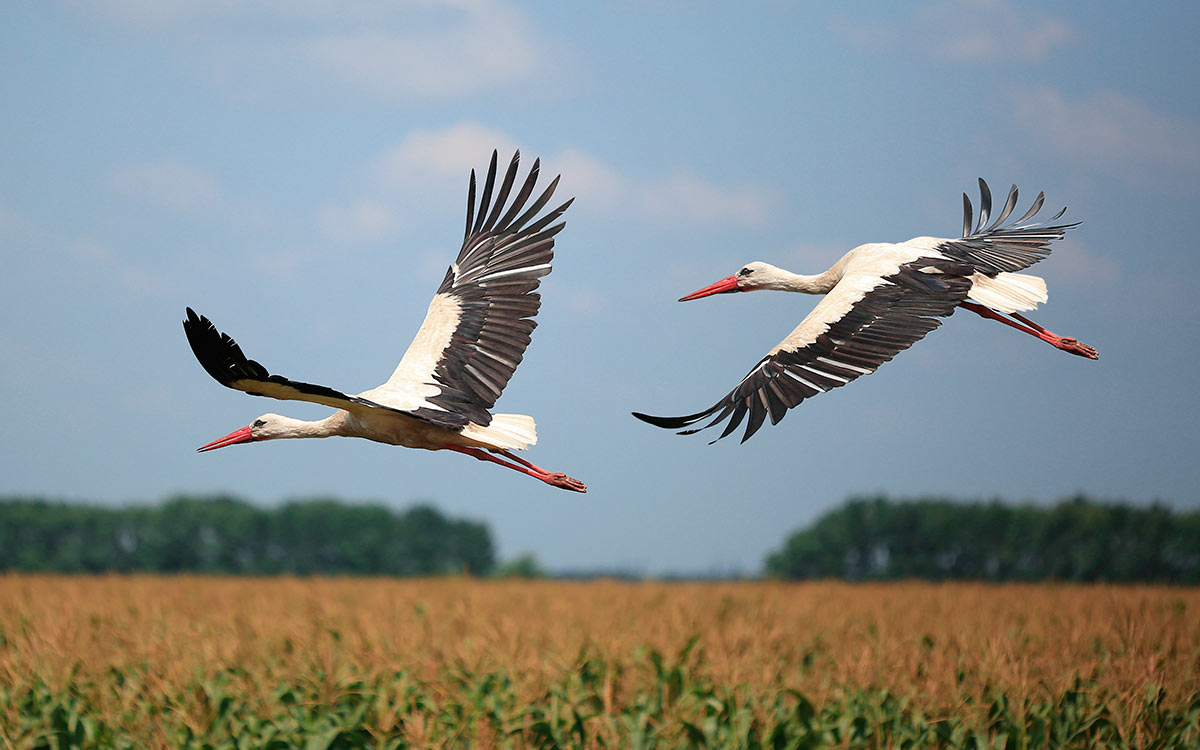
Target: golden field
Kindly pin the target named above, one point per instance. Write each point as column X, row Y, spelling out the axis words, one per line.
column 140, row 656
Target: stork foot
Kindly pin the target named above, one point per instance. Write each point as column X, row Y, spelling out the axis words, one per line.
column 1074, row 346
column 552, row 478
column 558, row 479
column 1066, row 343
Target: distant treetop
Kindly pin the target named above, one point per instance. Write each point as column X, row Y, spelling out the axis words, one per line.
column 222, row 534
column 939, row 539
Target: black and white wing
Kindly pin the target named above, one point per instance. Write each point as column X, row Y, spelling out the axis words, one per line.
column 222, row 358
column 861, row 323
column 479, row 322
column 1003, row 247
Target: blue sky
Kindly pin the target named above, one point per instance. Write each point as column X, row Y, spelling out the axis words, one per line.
column 297, row 172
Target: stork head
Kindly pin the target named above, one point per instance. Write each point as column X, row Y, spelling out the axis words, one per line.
column 266, row 427
column 756, row 275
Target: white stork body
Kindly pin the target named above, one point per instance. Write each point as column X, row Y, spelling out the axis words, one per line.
column 881, row 298
column 473, row 337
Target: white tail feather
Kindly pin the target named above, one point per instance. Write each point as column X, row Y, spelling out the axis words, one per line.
column 1008, row 292
column 506, row 432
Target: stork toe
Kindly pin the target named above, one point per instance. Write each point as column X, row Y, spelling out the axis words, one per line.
column 1075, row 346
column 558, row 479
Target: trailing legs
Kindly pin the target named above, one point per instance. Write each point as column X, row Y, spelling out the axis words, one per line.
column 1067, row 344
column 553, row 478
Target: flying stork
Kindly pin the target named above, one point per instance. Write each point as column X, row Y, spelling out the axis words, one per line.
column 474, row 336
column 880, row 299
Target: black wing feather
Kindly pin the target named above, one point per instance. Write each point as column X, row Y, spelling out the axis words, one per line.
column 885, row 322
column 222, row 358
column 494, row 281
column 1004, row 247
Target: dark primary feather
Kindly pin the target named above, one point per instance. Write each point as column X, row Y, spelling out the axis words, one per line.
column 494, row 281
column 222, row 358
column 886, row 321
column 1000, row 247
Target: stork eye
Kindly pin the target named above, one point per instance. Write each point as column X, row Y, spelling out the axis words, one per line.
column 258, row 423
column 744, row 272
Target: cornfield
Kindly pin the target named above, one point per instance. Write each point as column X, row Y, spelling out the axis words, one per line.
column 454, row 662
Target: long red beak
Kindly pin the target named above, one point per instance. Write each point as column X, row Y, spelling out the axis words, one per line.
column 727, row 284
column 243, row 435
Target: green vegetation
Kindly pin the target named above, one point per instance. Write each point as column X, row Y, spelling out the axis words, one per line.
column 866, row 539
column 523, row 566
column 226, row 535
column 674, row 708
column 1079, row 540
column 455, row 662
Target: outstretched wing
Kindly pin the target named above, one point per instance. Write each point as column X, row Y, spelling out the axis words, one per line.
column 1004, row 247
column 855, row 329
column 222, row 358
column 478, row 324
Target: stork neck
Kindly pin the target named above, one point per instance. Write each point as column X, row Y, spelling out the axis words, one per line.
column 334, row 424
column 795, row 282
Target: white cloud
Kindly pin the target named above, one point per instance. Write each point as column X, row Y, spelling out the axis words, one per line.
column 1110, row 132
column 15, row 225
column 483, row 49
column 1075, row 264
column 449, row 153
column 364, row 221
column 975, row 31
column 385, row 49
column 686, row 198
column 587, row 176
column 170, row 185
column 54, row 256
column 677, row 198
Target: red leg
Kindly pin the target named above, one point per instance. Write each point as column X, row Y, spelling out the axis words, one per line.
column 1065, row 343
column 555, row 479
column 1028, row 322
column 523, row 462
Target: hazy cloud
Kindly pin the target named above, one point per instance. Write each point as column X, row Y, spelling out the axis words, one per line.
column 1110, row 132
column 13, row 224
column 387, row 49
column 1076, row 264
column 687, row 198
column 681, row 197
column 170, row 185
column 678, row 198
column 52, row 257
column 449, row 153
column 363, row 221
column 963, row 31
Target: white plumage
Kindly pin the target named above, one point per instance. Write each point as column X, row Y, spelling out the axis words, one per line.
column 473, row 337
column 880, row 298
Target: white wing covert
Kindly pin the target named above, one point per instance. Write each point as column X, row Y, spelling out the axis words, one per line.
column 478, row 325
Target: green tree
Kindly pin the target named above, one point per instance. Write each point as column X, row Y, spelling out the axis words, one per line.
column 225, row 535
column 524, row 566
column 934, row 538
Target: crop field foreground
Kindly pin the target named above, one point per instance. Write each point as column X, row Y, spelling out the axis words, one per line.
column 197, row 662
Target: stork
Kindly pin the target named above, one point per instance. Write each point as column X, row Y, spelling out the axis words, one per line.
column 880, row 299
column 474, row 335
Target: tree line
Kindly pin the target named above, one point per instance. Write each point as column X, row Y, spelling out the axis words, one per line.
column 1077, row 540
column 226, row 535
column 867, row 538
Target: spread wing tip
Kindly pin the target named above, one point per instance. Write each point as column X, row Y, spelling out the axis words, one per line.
column 998, row 225
column 1003, row 243
column 674, row 423
column 218, row 353
column 667, row 423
